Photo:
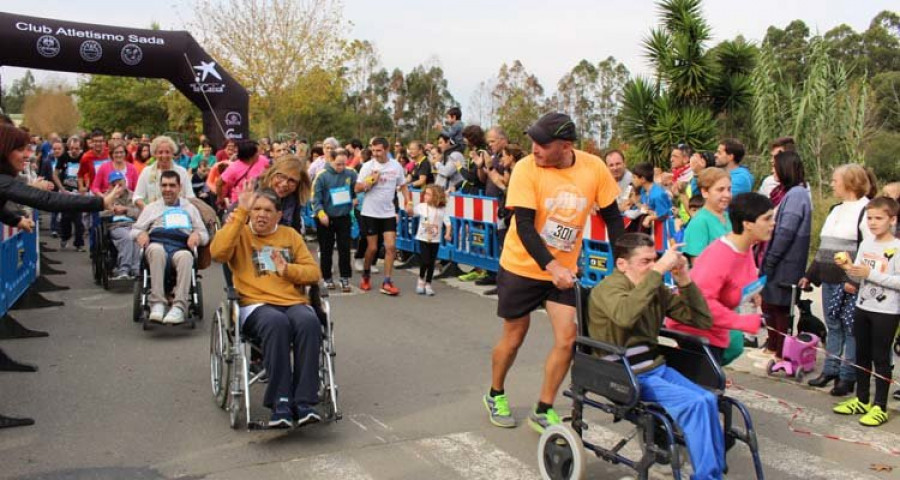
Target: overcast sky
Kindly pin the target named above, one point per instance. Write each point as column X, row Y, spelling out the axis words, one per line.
column 472, row 38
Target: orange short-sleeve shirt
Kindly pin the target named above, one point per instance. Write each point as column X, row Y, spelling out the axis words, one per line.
column 562, row 200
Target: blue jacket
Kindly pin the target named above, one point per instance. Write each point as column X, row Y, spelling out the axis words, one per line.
column 330, row 187
column 741, row 181
column 788, row 251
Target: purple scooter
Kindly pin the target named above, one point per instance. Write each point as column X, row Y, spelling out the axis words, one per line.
column 798, row 352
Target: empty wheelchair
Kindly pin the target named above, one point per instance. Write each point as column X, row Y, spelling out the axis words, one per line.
column 141, row 306
column 235, row 362
column 610, row 385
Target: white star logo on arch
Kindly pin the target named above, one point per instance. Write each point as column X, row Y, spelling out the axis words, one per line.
column 206, row 69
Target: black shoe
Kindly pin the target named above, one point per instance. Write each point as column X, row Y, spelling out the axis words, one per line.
column 822, row 380
column 488, row 280
column 493, row 291
column 751, row 342
column 843, row 388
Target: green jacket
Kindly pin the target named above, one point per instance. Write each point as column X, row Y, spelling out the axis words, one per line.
column 626, row 315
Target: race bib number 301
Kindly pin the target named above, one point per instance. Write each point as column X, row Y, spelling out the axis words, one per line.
column 559, row 235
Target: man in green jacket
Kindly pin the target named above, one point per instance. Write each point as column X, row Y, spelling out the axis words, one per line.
column 628, row 309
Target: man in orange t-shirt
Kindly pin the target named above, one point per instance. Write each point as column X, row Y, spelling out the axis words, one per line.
column 551, row 194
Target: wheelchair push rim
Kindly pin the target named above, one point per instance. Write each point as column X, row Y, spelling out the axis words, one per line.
column 561, row 454
column 219, row 365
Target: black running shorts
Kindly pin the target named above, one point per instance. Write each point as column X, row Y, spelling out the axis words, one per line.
column 518, row 296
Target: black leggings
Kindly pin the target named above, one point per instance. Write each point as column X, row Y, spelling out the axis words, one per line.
column 428, row 252
column 874, row 337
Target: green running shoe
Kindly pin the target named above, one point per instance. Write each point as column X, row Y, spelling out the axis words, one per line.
column 498, row 408
column 875, row 418
column 470, row 277
column 852, row 407
column 541, row 421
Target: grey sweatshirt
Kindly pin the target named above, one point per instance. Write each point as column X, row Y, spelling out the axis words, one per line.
column 880, row 291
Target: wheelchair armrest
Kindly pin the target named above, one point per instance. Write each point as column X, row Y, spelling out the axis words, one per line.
column 232, row 294
column 691, row 340
column 599, row 345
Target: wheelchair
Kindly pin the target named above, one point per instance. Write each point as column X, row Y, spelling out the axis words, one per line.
column 104, row 256
column 232, row 356
column 611, row 386
column 141, row 306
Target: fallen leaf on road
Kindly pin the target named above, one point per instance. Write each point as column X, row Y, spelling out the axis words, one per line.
column 879, row 467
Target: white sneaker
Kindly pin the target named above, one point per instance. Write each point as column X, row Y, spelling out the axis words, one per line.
column 420, row 287
column 428, row 290
column 157, row 310
column 358, row 265
column 174, row 317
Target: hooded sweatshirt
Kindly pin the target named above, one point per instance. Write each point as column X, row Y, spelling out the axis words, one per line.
column 333, row 192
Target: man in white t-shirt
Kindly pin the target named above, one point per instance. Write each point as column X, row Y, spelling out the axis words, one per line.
column 380, row 178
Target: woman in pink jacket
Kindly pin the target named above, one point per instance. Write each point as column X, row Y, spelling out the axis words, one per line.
column 726, row 268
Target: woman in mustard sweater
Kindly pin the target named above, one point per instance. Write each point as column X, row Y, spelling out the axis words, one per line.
column 270, row 264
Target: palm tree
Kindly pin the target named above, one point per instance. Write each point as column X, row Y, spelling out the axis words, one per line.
column 692, row 87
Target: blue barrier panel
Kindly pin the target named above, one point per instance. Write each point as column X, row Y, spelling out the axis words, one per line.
column 18, row 267
column 596, row 261
column 475, row 243
column 407, row 226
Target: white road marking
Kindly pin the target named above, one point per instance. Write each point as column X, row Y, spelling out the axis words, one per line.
column 474, row 458
column 326, row 467
column 815, row 420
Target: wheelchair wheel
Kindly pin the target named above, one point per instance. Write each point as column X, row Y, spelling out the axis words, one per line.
column 137, row 309
column 198, row 304
column 561, row 454
column 219, row 364
column 95, row 266
column 104, row 271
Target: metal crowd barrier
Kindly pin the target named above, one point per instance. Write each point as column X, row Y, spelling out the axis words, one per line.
column 475, row 240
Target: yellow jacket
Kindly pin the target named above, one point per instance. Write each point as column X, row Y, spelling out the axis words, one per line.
column 249, row 257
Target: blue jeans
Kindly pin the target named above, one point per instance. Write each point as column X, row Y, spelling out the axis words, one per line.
column 696, row 412
column 840, row 338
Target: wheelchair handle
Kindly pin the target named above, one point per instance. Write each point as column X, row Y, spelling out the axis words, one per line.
column 683, row 337
column 599, row 345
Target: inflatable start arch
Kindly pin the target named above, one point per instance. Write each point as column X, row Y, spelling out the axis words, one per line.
column 49, row 44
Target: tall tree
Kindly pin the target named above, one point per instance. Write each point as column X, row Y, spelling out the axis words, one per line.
column 882, row 42
column 122, row 103
column 51, row 109
column 482, row 103
column 677, row 106
column 789, row 47
column 611, row 79
column 576, row 97
column 427, row 98
column 14, row 99
column 272, row 47
column 519, row 97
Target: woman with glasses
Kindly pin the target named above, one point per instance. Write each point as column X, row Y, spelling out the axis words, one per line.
column 118, row 154
column 289, row 179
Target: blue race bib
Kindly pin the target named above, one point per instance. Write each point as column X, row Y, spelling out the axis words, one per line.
column 176, row 218
column 340, row 196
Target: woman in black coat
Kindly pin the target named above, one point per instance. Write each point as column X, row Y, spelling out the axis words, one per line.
column 12, row 162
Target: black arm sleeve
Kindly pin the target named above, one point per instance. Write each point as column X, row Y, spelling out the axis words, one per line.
column 532, row 241
column 15, row 191
column 612, row 217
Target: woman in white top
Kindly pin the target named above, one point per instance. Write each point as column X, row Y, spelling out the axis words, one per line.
column 147, row 191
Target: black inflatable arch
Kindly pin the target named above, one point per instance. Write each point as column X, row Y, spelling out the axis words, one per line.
column 50, row 44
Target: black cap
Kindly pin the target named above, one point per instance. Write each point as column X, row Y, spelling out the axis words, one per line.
column 552, row 126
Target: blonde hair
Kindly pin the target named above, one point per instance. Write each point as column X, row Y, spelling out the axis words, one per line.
column 891, row 190
column 855, row 178
column 438, row 195
column 710, row 176
column 291, row 165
